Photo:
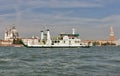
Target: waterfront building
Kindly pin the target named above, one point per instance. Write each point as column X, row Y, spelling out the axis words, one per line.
column 11, row 34
column 11, row 37
column 5, row 43
column 97, row 42
column 32, row 40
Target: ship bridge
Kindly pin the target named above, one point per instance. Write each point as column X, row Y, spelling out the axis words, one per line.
column 71, row 36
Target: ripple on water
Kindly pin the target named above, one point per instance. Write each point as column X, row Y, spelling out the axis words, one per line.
column 95, row 61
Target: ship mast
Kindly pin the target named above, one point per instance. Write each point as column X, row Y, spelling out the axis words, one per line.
column 73, row 31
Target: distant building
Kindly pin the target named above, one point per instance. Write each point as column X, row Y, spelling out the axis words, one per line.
column 11, row 37
column 5, row 43
column 33, row 40
column 11, row 34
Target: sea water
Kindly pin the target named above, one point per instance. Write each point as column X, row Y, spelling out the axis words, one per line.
column 94, row 61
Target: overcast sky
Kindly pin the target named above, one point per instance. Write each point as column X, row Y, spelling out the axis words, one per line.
column 91, row 18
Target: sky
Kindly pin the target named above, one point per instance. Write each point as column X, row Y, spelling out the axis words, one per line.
column 90, row 18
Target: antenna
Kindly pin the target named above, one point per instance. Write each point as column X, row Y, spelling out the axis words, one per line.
column 73, row 31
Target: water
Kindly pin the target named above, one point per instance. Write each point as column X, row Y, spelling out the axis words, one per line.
column 94, row 61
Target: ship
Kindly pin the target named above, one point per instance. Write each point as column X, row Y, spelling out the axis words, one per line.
column 63, row 40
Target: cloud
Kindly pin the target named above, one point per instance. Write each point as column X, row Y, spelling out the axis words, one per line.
column 58, row 3
column 29, row 18
column 71, row 4
column 87, row 27
column 58, row 15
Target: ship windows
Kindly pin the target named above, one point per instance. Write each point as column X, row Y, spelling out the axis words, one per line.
column 64, row 41
column 56, row 41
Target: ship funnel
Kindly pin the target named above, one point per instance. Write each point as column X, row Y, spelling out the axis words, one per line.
column 42, row 35
column 48, row 34
column 48, row 38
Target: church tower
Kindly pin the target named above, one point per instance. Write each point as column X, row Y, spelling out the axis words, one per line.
column 11, row 33
column 111, row 37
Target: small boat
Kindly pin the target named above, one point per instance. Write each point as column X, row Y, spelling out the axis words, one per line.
column 61, row 41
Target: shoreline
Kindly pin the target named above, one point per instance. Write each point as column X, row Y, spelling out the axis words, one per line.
column 14, row 45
